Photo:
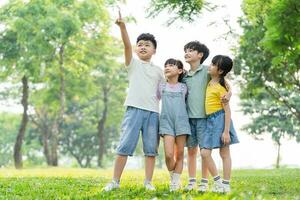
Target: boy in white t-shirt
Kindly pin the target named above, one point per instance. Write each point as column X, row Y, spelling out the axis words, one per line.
column 142, row 106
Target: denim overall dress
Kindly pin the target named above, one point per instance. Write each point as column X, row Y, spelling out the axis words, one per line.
column 174, row 119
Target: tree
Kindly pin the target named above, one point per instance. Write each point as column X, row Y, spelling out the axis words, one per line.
column 45, row 40
column 269, row 117
column 268, row 61
column 20, row 53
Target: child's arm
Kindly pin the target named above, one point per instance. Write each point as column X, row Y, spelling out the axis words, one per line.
column 125, row 38
column 226, row 97
column 226, row 135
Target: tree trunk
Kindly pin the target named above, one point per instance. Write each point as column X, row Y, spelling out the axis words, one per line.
column 21, row 134
column 59, row 120
column 100, row 127
column 46, row 146
column 278, row 155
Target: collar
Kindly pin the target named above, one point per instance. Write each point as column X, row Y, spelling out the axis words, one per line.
column 191, row 73
column 145, row 62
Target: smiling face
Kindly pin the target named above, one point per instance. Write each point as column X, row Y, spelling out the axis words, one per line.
column 171, row 71
column 191, row 55
column 145, row 50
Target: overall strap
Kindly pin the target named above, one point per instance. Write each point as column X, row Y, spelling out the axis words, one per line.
column 182, row 89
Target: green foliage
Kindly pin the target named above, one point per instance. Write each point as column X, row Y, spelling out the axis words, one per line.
column 268, row 61
column 87, row 184
column 35, row 33
column 187, row 10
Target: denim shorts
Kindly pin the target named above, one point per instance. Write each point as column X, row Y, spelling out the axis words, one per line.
column 135, row 121
column 198, row 126
column 215, row 126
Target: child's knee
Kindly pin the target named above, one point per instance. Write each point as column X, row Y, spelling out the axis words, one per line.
column 205, row 153
column 224, row 154
column 169, row 156
column 180, row 155
column 192, row 152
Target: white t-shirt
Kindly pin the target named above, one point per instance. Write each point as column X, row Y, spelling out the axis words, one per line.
column 144, row 78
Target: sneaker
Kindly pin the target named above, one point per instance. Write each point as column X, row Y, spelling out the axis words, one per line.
column 203, row 187
column 174, row 187
column 226, row 188
column 149, row 186
column 190, row 186
column 217, row 187
column 110, row 186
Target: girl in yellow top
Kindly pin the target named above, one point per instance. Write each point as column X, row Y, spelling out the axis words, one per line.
column 219, row 132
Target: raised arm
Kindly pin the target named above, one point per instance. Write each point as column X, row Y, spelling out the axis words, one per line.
column 125, row 39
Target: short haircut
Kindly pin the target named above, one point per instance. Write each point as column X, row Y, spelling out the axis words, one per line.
column 199, row 47
column 147, row 37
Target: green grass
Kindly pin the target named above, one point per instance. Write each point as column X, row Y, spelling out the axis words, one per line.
column 59, row 183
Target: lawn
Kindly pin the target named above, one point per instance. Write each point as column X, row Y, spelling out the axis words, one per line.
column 60, row 183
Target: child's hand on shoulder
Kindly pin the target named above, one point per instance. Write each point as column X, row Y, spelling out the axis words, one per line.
column 225, row 98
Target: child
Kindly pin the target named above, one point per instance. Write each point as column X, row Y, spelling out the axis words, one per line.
column 220, row 132
column 142, row 106
column 174, row 124
column 196, row 80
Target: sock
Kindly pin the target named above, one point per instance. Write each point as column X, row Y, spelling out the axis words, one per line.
column 204, row 181
column 226, row 182
column 192, row 180
column 176, row 177
column 217, row 178
column 146, row 181
column 116, row 181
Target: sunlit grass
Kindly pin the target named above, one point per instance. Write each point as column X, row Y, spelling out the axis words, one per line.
column 65, row 183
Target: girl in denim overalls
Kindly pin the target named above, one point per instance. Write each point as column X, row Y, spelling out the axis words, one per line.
column 174, row 125
column 220, row 132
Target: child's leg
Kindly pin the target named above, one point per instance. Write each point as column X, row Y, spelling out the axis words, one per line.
column 169, row 151
column 209, row 162
column 226, row 158
column 192, row 161
column 180, row 142
column 120, row 163
column 150, row 139
column 149, row 167
column 203, row 186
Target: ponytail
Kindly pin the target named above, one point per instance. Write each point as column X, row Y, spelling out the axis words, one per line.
column 222, row 81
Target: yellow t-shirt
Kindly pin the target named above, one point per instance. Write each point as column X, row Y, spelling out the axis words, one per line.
column 214, row 92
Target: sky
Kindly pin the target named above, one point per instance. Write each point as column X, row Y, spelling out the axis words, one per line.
column 249, row 153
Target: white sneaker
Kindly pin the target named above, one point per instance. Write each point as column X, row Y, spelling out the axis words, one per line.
column 226, row 188
column 149, row 186
column 174, row 186
column 190, row 186
column 110, row 186
column 217, row 187
column 203, row 187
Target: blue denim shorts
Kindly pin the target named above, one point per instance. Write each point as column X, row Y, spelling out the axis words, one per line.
column 135, row 121
column 215, row 126
column 198, row 127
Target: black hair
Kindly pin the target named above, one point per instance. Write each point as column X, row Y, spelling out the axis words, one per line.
column 199, row 47
column 147, row 37
column 178, row 63
column 225, row 64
